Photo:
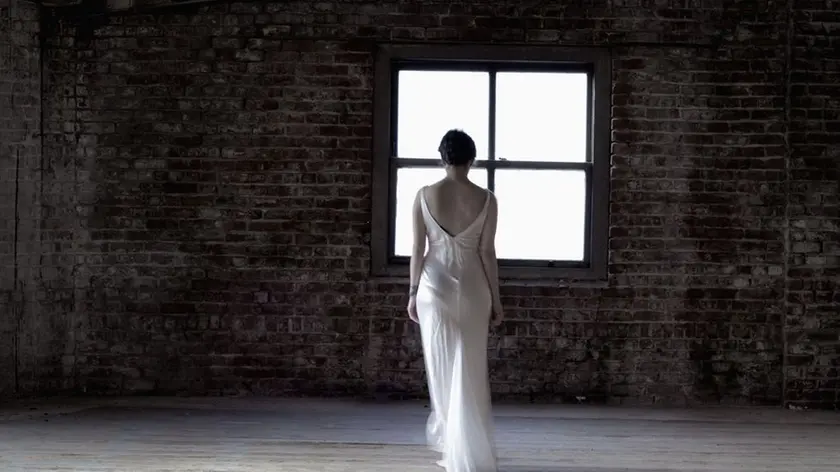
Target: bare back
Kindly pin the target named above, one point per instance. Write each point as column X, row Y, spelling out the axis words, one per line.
column 454, row 204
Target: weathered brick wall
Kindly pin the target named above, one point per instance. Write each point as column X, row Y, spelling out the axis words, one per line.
column 697, row 226
column 221, row 163
column 20, row 150
column 813, row 310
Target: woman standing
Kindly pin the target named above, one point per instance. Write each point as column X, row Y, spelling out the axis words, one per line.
column 454, row 295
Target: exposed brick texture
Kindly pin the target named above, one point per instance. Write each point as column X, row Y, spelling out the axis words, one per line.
column 207, row 183
column 813, row 310
column 21, row 343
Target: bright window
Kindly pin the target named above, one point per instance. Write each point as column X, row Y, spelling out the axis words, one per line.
column 533, row 126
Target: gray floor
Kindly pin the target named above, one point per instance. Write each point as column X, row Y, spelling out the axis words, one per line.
column 289, row 435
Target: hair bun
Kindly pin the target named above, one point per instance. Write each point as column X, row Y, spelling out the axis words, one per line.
column 457, row 148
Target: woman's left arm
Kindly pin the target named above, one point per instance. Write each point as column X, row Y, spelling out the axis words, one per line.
column 418, row 250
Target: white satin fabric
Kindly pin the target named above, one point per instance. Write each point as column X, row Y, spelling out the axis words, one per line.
column 454, row 305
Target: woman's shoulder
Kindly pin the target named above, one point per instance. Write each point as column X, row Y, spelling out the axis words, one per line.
column 447, row 187
column 490, row 194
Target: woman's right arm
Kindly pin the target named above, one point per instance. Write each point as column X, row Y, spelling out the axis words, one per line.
column 488, row 255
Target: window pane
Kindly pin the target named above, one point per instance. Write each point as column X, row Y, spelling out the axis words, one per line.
column 430, row 103
column 542, row 214
column 541, row 116
column 409, row 181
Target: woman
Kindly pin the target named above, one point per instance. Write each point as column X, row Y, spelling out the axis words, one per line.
column 454, row 294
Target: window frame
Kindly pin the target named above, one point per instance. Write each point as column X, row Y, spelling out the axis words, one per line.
column 390, row 58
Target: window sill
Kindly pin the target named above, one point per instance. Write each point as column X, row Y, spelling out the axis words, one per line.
column 515, row 277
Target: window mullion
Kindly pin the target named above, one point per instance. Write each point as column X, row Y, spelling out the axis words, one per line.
column 403, row 162
column 535, row 165
column 491, row 132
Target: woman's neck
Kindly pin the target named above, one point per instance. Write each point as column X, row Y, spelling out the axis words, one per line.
column 457, row 173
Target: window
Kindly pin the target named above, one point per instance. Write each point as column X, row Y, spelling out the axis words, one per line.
column 540, row 121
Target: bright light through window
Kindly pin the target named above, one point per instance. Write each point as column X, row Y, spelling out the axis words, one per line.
column 542, row 214
column 540, row 116
column 430, row 103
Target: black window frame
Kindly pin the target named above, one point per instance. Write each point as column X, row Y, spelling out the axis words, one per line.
column 391, row 58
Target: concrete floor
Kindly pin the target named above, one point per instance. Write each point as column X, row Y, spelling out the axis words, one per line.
column 293, row 435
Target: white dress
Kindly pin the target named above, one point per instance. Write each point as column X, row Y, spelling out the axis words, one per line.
column 454, row 306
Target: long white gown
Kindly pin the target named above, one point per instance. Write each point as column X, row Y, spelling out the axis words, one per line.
column 454, row 306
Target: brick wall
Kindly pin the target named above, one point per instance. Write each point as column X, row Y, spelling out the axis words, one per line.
column 20, row 150
column 813, row 309
column 209, row 169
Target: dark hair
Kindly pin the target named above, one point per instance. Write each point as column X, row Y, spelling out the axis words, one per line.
column 457, row 148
